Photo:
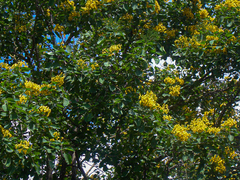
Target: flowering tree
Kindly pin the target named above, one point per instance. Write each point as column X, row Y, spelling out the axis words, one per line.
column 75, row 82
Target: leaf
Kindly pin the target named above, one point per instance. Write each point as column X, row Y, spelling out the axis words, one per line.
column 69, row 49
column 88, row 117
column 65, row 102
column 8, row 162
column 4, row 106
column 101, row 80
column 68, row 158
column 112, row 88
column 230, row 137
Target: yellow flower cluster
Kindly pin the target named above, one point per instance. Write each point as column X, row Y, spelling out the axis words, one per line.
column 183, row 42
column 170, row 34
column 127, row 17
column 167, row 117
column 67, row 5
column 35, row 88
column 23, row 146
column 22, row 28
column 59, row 28
column 109, row 1
column 230, row 122
column 174, row 90
column 18, row 64
column 229, row 4
column 91, row 5
column 56, row 136
column 112, row 48
column 181, row 132
column 169, row 80
column 22, row 99
column 45, row 110
column 164, row 108
column 188, row 13
column 199, row 125
column 130, row 89
column 48, row 12
column 5, row 132
column 232, row 154
column 219, row 164
column 157, row 7
column 210, row 38
column 81, row 63
column 59, row 79
column 203, row 13
column 73, row 15
column 94, row 66
column 160, row 28
column 149, row 100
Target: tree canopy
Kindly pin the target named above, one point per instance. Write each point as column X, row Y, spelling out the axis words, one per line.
column 76, row 81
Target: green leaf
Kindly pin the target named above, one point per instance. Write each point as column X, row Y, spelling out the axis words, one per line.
column 8, row 162
column 68, row 158
column 101, row 80
column 65, row 102
column 4, row 106
column 88, row 117
column 230, row 137
column 112, row 88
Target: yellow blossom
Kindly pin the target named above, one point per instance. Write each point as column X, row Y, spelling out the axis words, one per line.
column 232, row 154
column 23, row 146
column 188, row 13
column 203, row 13
column 157, row 7
column 218, row 164
column 149, row 100
column 174, row 90
column 22, row 99
column 5, row 132
column 169, row 80
column 229, row 123
column 181, row 132
column 45, row 110
column 160, row 28
column 59, row 79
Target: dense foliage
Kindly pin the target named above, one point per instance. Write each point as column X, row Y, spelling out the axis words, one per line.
column 76, row 81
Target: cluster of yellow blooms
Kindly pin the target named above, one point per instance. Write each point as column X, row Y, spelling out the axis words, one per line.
column 22, row 99
column 67, row 5
column 127, row 17
column 203, row 13
column 112, row 48
column 73, row 15
column 35, row 88
column 91, row 5
column 130, row 89
column 160, row 28
column 230, row 122
column 56, row 136
column 59, row 79
column 170, row 34
column 23, row 146
column 45, row 110
column 183, row 42
column 229, row 4
column 5, row 132
column 157, row 7
column 81, row 63
column 94, row 66
column 18, row 64
column 232, row 154
column 149, row 100
column 59, row 28
column 188, row 13
column 181, row 132
column 219, row 164
column 174, row 90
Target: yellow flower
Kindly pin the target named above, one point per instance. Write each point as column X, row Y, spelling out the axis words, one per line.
column 5, row 132
column 22, row 99
column 59, row 79
column 23, row 146
column 45, row 110
column 157, row 7
column 218, row 163
column 161, row 28
column 188, row 13
column 229, row 123
column 181, row 132
column 175, row 90
column 149, row 100
column 169, row 80
column 203, row 13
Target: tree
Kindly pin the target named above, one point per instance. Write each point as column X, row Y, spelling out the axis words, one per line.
column 75, row 82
